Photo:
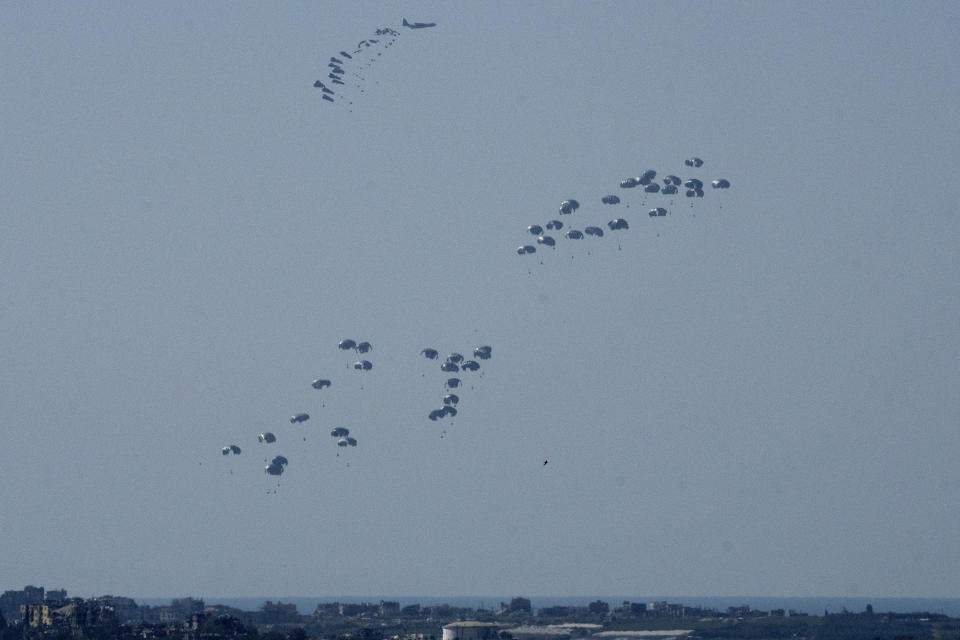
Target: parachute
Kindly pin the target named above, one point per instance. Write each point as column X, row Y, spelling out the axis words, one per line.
column 610, row 200
column 618, row 223
column 299, row 417
column 363, row 365
column 340, row 432
column 594, row 231
column 647, row 177
column 430, row 353
column 267, row 437
column 346, row 345
column 320, row 383
column 274, row 469
column 723, row 183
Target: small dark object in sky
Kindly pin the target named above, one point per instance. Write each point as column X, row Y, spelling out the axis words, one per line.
column 545, row 462
column 418, row 25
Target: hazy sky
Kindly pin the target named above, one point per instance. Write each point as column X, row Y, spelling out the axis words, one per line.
column 757, row 394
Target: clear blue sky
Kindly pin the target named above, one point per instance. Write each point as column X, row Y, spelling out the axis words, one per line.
column 757, row 394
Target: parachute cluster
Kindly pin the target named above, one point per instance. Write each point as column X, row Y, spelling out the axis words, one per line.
column 345, row 71
column 669, row 185
column 454, row 363
column 278, row 464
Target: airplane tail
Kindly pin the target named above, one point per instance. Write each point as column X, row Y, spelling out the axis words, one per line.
column 405, row 23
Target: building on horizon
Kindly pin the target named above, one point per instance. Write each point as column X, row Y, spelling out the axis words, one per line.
column 471, row 630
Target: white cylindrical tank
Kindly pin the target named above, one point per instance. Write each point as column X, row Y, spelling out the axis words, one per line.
column 470, row 630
